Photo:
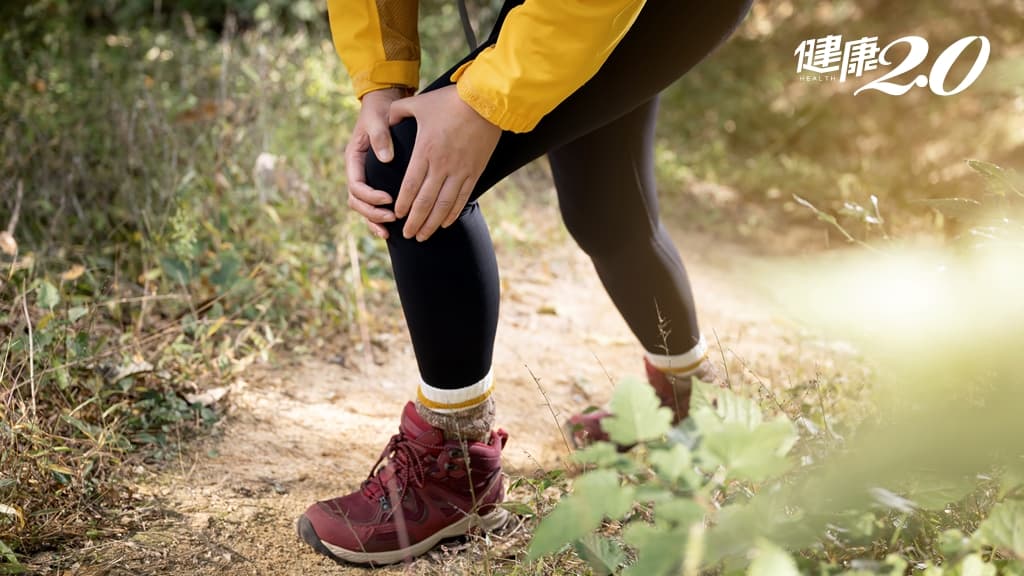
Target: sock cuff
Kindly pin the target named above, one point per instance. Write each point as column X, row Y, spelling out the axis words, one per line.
column 448, row 401
column 680, row 364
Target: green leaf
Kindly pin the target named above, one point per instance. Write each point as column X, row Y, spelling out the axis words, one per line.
column 47, row 295
column 11, row 565
column 898, row 563
column 999, row 181
column 952, row 543
column 973, row 565
column 175, row 270
column 87, row 430
column 953, row 207
column 77, row 312
column 679, row 512
column 60, row 374
column 637, row 414
column 595, row 495
column 601, row 454
column 658, row 551
column 1004, row 528
column 227, row 273
column 736, row 436
column 703, row 395
column 672, row 463
column 652, row 494
column 519, row 508
column 603, row 554
column 772, row 561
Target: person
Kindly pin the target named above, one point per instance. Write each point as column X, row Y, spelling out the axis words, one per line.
column 578, row 81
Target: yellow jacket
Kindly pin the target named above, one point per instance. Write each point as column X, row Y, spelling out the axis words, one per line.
column 545, row 51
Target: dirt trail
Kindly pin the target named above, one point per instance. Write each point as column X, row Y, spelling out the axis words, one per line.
column 305, row 429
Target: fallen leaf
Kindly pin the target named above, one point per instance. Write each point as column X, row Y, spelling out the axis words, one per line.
column 13, row 511
column 7, row 243
column 116, row 374
column 73, row 273
column 207, row 397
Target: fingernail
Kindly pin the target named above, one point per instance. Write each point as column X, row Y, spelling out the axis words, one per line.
column 386, row 154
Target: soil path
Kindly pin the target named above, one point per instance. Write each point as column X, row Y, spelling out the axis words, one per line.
column 305, row 429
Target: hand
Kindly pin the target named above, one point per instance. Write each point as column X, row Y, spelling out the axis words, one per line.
column 453, row 145
column 371, row 130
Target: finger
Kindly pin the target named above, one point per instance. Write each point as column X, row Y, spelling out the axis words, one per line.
column 446, row 199
column 355, row 161
column 355, row 171
column 380, row 139
column 371, row 213
column 422, row 205
column 415, row 174
column 401, row 109
column 378, row 230
column 460, row 202
column 367, row 194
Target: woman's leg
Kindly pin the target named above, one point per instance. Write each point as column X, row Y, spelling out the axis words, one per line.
column 449, row 284
column 606, row 191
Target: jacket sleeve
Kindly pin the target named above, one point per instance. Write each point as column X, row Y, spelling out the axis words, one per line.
column 378, row 41
column 545, row 51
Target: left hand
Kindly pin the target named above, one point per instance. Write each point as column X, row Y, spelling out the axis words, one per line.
column 453, row 145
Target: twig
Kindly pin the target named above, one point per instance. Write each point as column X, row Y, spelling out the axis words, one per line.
column 725, row 363
column 547, row 401
column 13, row 222
column 603, row 369
column 31, row 350
column 475, row 509
column 821, row 405
column 663, row 329
column 357, row 280
column 771, row 393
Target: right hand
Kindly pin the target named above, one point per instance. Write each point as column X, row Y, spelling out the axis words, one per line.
column 371, row 131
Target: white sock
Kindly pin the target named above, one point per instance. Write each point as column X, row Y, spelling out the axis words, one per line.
column 467, row 412
column 449, row 401
column 684, row 364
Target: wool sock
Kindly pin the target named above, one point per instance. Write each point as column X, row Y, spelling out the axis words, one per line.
column 466, row 413
column 681, row 367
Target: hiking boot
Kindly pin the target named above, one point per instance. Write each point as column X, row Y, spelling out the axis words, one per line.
column 673, row 391
column 430, row 488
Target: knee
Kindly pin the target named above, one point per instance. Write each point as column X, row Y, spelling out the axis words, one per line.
column 600, row 237
column 387, row 176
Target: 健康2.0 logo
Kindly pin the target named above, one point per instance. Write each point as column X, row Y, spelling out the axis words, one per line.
column 830, row 58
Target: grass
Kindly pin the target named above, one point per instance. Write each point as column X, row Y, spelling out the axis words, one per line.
column 154, row 256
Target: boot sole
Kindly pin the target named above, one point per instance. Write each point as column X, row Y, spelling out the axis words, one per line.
column 491, row 521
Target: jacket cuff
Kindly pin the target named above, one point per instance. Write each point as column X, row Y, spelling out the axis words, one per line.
column 387, row 75
column 494, row 103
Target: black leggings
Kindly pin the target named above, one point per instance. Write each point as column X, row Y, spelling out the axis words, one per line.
column 600, row 142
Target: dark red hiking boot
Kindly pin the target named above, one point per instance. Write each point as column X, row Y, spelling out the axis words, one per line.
column 429, row 489
column 585, row 428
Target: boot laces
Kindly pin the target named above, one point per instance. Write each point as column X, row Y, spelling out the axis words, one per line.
column 404, row 463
